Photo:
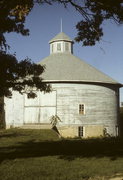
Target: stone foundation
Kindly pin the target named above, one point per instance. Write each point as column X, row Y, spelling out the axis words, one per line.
column 88, row 131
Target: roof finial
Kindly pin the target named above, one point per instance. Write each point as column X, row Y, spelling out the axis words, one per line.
column 61, row 24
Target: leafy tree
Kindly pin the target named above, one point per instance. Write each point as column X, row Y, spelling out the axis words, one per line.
column 23, row 76
column 14, row 74
column 94, row 13
column 90, row 30
column 12, row 18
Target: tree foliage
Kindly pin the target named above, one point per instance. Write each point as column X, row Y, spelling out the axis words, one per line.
column 12, row 18
column 94, row 13
column 90, row 29
column 23, row 76
column 18, row 75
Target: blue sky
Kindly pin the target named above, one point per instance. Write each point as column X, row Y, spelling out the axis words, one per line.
column 44, row 24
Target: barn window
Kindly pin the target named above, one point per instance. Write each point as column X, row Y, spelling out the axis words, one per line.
column 81, row 109
column 80, row 131
column 66, row 46
column 58, row 46
column 52, row 47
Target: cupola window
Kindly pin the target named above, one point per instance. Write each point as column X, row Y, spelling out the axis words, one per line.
column 66, row 46
column 58, row 46
column 52, row 48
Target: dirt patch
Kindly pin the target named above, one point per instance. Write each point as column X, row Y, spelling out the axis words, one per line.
column 117, row 177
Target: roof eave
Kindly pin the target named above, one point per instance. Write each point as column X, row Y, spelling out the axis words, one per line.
column 61, row 40
column 84, row 82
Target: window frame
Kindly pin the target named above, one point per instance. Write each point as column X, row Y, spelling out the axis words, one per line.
column 80, row 131
column 59, row 47
column 81, row 109
column 52, row 48
column 67, row 49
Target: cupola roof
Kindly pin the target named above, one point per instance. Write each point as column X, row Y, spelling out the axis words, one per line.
column 60, row 37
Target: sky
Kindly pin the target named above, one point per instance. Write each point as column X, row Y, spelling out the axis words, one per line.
column 44, row 22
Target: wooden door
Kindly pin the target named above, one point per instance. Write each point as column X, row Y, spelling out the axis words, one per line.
column 32, row 115
column 40, row 109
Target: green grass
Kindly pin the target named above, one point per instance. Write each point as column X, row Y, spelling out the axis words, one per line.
column 41, row 155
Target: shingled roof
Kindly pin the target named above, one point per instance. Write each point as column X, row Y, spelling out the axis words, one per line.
column 67, row 67
column 61, row 36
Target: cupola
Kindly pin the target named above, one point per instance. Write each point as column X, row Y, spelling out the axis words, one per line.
column 61, row 43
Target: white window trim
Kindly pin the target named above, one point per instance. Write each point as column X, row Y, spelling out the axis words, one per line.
column 83, row 131
column 60, row 47
column 66, row 43
column 84, row 108
column 52, row 48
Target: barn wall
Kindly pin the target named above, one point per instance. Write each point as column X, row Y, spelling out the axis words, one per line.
column 20, row 110
column 100, row 105
column 14, row 110
column 101, row 109
column 88, row 131
column 40, row 109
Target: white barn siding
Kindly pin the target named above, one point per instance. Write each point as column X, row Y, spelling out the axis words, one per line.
column 100, row 105
column 20, row 110
column 14, row 111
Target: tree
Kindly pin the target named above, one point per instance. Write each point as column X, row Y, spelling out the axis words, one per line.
column 90, row 30
column 12, row 19
column 94, row 13
column 23, row 76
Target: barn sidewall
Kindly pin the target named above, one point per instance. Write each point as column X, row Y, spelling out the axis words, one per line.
column 101, row 109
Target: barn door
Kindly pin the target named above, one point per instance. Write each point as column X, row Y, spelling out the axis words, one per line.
column 31, row 115
column 40, row 109
column 48, row 106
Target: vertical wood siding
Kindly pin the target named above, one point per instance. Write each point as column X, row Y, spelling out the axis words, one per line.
column 100, row 105
column 100, row 102
column 20, row 110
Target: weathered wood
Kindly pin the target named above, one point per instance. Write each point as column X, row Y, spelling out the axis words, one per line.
column 100, row 103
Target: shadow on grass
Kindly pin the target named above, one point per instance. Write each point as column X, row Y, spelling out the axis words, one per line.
column 10, row 135
column 65, row 149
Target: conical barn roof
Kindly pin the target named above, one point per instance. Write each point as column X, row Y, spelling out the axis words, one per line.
column 67, row 67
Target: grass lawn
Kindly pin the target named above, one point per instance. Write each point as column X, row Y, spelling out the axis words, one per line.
column 41, row 155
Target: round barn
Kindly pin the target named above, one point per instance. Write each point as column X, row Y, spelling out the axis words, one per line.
column 85, row 99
